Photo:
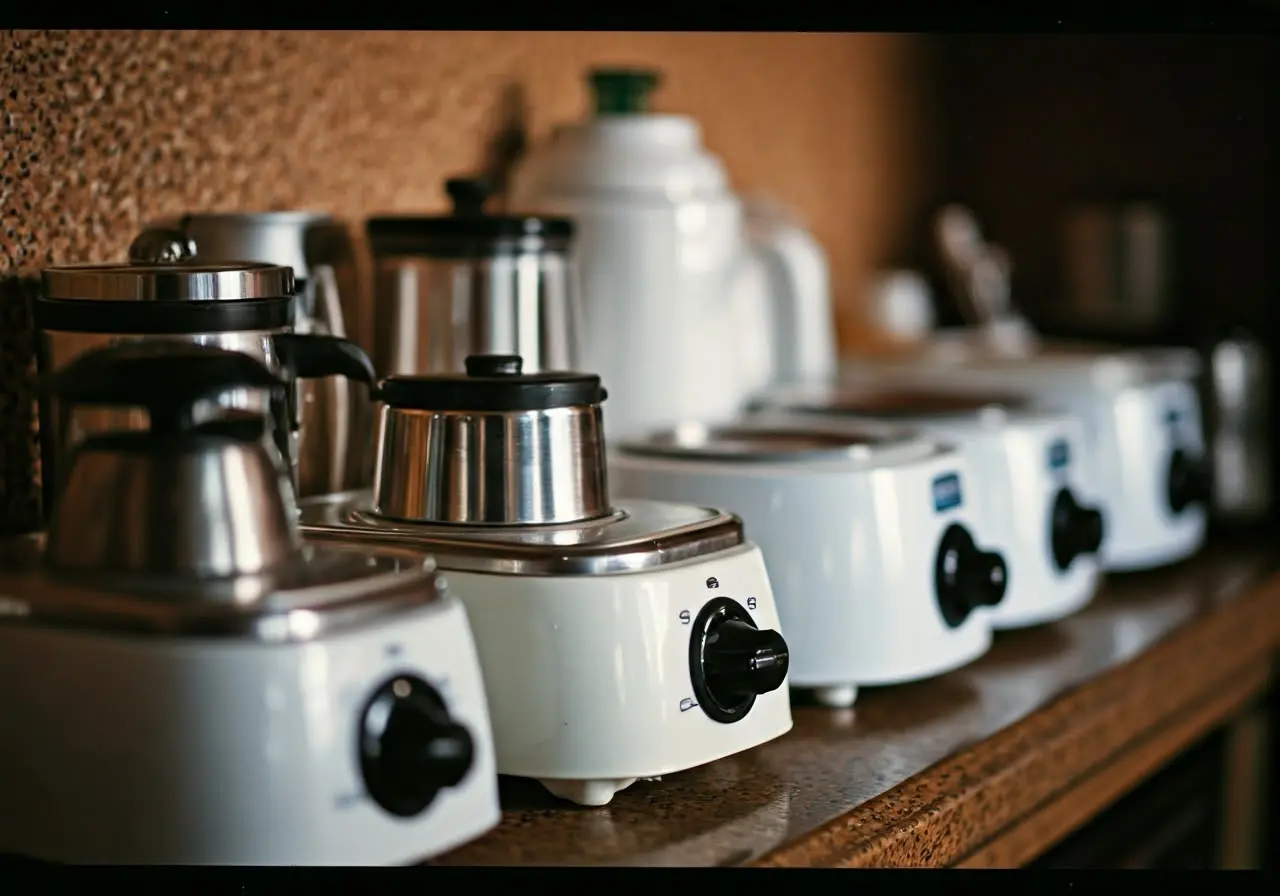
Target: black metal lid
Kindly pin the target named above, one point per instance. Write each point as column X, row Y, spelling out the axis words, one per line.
column 163, row 289
column 467, row 231
column 492, row 383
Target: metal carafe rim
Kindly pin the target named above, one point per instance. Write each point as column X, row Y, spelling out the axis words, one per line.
column 162, row 269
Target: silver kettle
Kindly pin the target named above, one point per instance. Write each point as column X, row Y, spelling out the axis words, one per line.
column 189, row 497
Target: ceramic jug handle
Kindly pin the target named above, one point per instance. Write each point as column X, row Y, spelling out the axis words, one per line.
column 799, row 297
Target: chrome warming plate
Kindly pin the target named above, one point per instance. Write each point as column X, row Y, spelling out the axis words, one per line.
column 638, row 535
column 328, row 589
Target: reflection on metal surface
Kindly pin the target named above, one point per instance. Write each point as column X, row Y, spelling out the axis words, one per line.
column 328, row 589
column 637, row 535
column 532, row 467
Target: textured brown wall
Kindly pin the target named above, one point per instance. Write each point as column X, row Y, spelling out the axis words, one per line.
column 102, row 130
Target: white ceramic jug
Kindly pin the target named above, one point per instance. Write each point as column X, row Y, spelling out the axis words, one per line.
column 689, row 306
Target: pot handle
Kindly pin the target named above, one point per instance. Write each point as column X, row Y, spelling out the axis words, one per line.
column 314, row 355
column 804, row 343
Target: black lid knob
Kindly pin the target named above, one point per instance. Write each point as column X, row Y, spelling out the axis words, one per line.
column 162, row 245
column 494, row 365
column 966, row 577
column 469, row 194
column 166, row 378
column 622, row 91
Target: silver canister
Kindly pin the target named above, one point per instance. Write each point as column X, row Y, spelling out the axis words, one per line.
column 1239, row 411
column 167, row 296
column 1119, row 263
column 494, row 446
column 318, row 248
column 467, row 283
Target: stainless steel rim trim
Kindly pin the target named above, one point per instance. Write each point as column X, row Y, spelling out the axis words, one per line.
column 338, row 519
column 168, row 283
column 733, row 443
column 889, row 402
column 249, row 608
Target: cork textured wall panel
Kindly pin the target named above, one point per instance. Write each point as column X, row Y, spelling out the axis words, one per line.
column 105, row 129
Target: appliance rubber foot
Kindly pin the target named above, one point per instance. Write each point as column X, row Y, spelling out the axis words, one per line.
column 595, row 792
column 840, row 696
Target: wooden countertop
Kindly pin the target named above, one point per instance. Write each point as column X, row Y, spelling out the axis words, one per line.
column 987, row 766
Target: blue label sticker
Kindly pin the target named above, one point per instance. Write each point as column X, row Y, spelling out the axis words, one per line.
column 1059, row 454
column 946, row 492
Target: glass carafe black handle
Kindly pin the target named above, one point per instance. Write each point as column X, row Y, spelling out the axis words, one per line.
column 166, row 378
column 312, row 355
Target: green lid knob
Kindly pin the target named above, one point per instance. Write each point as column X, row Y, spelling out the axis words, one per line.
column 622, row 91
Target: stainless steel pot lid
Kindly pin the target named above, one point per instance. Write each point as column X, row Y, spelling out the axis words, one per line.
column 163, row 291
column 779, row 443
column 638, row 535
column 178, row 282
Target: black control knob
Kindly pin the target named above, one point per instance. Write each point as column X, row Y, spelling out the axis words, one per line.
column 410, row 749
column 1073, row 529
column 966, row 577
column 732, row 662
column 1189, row 481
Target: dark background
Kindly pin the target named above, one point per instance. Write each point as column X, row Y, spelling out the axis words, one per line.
column 1031, row 123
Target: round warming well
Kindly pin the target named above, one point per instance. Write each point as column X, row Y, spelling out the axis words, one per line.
column 789, row 443
column 888, row 403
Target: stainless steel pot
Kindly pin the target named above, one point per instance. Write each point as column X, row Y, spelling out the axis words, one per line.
column 316, row 246
column 245, row 307
column 494, row 446
column 181, row 498
column 188, row 528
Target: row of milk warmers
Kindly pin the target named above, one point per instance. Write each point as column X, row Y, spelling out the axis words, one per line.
column 231, row 646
